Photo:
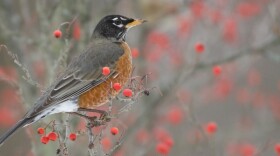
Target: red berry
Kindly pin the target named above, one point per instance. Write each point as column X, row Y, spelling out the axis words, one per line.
column 40, row 130
column 162, row 148
column 114, row 130
column 106, row 71
column 45, row 139
column 57, row 33
column 72, row 136
column 277, row 148
column 135, row 53
column 52, row 136
column 217, row 70
column 199, row 47
column 127, row 92
column 211, row 128
column 117, row 86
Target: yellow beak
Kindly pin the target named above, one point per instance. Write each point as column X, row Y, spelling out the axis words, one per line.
column 135, row 23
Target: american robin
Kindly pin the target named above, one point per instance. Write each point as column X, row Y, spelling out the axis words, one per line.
column 83, row 86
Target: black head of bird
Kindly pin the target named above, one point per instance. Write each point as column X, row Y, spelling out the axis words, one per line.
column 115, row 27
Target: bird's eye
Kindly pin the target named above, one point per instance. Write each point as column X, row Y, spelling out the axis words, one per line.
column 118, row 22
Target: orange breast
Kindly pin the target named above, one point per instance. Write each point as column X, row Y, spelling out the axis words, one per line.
column 101, row 94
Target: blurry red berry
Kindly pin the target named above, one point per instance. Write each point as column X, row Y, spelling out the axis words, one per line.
column 72, row 136
column 175, row 115
column 39, row 68
column 9, row 72
column 160, row 134
column 52, row 136
column 211, row 128
column 127, row 92
column 117, row 86
column 114, row 130
column 76, row 31
column 248, row 9
column 198, row 8
column 216, row 16
column 159, row 39
column 142, row 136
column 184, row 26
column 217, row 70
column 222, row 88
column 135, row 52
column 40, row 130
column 254, row 77
column 244, row 95
column 248, row 150
column 7, row 119
column 106, row 71
column 230, row 30
column 57, row 33
column 106, row 143
column 277, row 148
column 168, row 141
column 162, row 148
column 45, row 139
column 199, row 47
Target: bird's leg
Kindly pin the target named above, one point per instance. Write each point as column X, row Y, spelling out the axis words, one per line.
column 92, row 110
column 104, row 116
column 90, row 118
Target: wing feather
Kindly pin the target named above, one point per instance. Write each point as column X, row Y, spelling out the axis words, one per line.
column 82, row 74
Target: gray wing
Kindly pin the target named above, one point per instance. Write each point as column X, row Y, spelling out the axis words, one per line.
column 81, row 77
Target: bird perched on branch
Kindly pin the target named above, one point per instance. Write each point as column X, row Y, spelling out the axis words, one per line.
column 82, row 86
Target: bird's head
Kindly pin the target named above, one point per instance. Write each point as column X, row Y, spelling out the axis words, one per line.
column 115, row 27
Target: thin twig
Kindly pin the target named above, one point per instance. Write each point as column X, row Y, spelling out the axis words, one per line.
column 27, row 75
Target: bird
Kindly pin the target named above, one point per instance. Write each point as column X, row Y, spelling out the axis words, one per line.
column 82, row 86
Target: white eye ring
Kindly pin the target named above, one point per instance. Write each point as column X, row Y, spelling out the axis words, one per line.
column 124, row 19
column 118, row 25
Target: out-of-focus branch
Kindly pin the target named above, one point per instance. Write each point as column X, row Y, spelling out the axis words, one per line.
column 62, row 59
column 250, row 51
column 188, row 108
column 7, row 79
column 117, row 145
column 27, row 75
column 183, row 76
column 263, row 148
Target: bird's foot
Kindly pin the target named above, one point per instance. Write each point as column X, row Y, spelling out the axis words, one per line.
column 102, row 120
column 105, row 117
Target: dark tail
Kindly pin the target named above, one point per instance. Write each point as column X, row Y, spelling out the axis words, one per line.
column 18, row 125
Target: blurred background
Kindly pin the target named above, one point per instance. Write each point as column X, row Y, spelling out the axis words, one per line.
column 214, row 83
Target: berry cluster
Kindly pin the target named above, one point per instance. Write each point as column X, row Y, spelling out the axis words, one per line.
column 52, row 136
column 117, row 86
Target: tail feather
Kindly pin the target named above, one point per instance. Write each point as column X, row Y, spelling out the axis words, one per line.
column 18, row 125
